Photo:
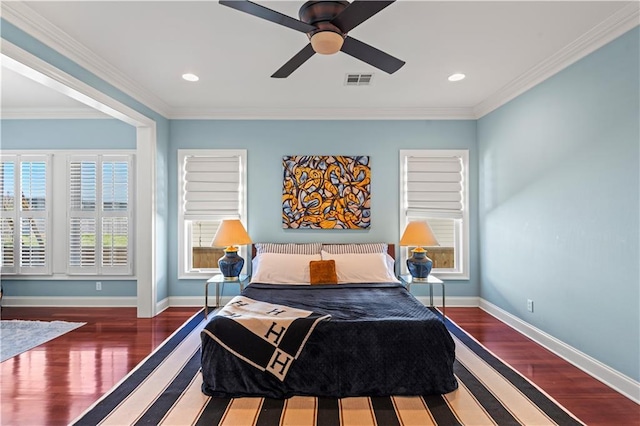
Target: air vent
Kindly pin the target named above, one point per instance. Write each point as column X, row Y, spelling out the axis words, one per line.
column 358, row 79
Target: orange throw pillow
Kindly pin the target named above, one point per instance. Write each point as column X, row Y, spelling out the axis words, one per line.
column 323, row 272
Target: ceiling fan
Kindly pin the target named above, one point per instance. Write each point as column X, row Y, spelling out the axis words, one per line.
column 326, row 23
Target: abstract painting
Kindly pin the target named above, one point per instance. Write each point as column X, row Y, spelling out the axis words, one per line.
column 326, row 192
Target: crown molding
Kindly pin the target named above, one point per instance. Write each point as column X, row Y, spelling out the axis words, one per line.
column 324, row 114
column 50, row 114
column 25, row 18
column 614, row 26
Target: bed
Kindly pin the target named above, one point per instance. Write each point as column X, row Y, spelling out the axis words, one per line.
column 365, row 338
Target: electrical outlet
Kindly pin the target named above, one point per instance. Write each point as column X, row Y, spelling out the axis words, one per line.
column 98, row 285
column 529, row 305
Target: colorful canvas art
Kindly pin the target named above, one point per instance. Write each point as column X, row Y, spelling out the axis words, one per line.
column 326, row 192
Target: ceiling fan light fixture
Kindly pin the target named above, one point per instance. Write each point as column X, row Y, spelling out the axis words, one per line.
column 326, row 42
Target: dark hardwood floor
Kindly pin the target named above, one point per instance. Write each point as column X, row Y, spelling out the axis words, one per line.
column 55, row 382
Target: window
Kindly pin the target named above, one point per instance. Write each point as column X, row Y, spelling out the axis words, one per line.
column 434, row 188
column 100, row 215
column 24, row 221
column 212, row 187
column 65, row 214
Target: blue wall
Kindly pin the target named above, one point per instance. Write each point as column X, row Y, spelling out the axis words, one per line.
column 559, row 203
column 267, row 141
column 67, row 134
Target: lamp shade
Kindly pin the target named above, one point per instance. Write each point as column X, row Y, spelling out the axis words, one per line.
column 418, row 234
column 231, row 232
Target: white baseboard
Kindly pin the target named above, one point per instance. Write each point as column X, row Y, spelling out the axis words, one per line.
column 69, row 301
column 602, row 372
column 162, row 305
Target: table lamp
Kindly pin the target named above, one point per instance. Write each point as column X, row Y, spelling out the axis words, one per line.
column 418, row 234
column 230, row 234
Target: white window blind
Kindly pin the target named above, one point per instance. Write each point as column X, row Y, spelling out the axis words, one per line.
column 100, row 214
column 8, row 214
column 212, row 187
column 24, row 222
column 434, row 186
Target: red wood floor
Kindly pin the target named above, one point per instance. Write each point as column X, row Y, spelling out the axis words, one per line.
column 55, row 382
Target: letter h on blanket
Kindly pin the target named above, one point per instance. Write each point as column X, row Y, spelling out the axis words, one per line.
column 270, row 337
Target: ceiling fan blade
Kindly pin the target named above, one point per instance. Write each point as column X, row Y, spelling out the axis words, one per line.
column 294, row 63
column 358, row 12
column 268, row 14
column 371, row 55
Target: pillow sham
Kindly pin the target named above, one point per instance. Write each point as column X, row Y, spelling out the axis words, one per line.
column 361, row 268
column 288, row 248
column 278, row 268
column 323, row 272
column 355, row 248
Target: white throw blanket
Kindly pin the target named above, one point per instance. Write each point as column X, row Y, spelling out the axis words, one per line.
column 268, row 336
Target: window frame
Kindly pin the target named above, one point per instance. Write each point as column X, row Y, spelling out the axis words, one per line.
column 184, row 226
column 461, row 237
column 57, row 174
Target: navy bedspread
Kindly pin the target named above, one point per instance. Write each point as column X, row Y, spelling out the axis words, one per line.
column 379, row 341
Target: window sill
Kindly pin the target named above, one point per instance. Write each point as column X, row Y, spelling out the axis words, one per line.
column 451, row 276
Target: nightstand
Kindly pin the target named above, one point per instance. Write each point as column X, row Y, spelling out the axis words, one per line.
column 217, row 280
column 407, row 280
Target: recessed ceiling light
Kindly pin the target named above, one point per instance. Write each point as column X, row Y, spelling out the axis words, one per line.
column 456, row 77
column 190, row 77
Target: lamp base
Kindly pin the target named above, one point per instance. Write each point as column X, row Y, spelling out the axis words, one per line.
column 230, row 265
column 419, row 264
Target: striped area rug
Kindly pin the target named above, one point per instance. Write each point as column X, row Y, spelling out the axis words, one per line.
column 165, row 389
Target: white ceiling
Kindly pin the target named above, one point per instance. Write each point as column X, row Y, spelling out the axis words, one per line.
column 144, row 47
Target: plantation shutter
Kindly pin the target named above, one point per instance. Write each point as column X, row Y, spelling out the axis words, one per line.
column 212, row 187
column 33, row 217
column 434, row 186
column 83, row 193
column 24, row 226
column 115, row 216
column 100, row 215
column 8, row 214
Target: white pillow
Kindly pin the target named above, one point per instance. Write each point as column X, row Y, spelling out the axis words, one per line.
column 277, row 268
column 361, row 268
